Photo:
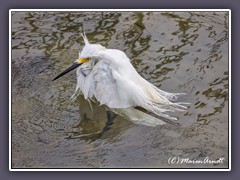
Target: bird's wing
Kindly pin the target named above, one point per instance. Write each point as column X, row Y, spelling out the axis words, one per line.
column 102, row 84
column 126, row 88
column 114, row 88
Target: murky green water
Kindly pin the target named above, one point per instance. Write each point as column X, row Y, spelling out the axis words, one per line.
column 176, row 51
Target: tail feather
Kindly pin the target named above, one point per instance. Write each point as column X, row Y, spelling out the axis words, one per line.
column 160, row 102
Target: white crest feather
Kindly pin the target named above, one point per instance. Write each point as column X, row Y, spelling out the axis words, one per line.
column 85, row 38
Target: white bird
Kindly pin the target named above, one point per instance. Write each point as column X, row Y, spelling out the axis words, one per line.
column 107, row 75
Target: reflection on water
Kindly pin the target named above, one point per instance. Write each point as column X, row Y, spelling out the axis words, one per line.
column 176, row 51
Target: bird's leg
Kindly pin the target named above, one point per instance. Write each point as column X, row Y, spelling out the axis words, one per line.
column 110, row 117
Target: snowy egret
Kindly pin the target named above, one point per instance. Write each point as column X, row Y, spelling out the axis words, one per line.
column 107, row 75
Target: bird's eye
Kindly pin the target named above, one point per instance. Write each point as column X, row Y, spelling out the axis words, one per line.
column 88, row 59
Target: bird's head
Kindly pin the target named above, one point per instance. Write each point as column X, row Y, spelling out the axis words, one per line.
column 89, row 52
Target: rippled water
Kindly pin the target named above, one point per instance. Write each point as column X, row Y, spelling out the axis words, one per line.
column 176, row 51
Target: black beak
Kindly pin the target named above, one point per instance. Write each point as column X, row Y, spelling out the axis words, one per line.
column 72, row 67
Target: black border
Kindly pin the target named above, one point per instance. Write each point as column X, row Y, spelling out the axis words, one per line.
column 4, row 93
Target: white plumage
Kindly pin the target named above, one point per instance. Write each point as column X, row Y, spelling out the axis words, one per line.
column 110, row 78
